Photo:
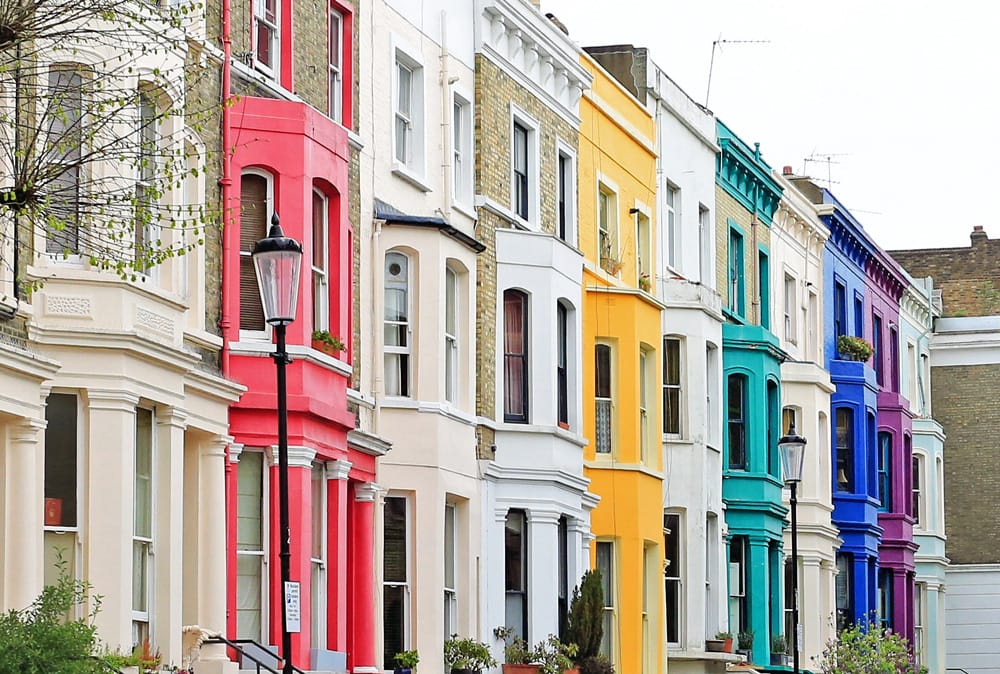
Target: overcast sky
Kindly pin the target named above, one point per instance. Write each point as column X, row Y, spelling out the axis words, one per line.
column 901, row 95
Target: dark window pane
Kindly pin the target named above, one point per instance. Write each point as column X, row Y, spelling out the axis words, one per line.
column 60, row 460
column 394, row 533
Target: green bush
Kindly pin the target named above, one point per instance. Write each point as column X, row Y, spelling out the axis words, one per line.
column 584, row 625
column 44, row 639
column 868, row 649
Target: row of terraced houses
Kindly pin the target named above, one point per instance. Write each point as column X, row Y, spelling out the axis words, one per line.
column 578, row 311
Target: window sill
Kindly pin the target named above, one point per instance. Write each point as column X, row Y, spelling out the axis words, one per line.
column 467, row 210
column 404, row 172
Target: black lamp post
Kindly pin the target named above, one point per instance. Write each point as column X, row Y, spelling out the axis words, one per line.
column 277, row 260
column 793, row 451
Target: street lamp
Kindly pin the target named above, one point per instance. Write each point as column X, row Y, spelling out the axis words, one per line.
column 793, row 450
column 277, row 260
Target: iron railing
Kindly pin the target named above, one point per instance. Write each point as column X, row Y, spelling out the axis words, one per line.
column 261, row 666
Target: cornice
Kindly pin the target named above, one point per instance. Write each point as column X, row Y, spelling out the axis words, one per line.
column 526, row 45
column 745, row 175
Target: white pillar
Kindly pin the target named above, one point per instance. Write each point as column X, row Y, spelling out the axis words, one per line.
column 22, row 528
column 168, row 509
column 110, row 509
column 212, row 552
column 543, row 574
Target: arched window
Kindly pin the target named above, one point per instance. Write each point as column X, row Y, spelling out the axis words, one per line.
column 736, row 416
column 885, row 470
column 562, row 371
column 515, row 356
column 320, row 260
column 64, row 141
column 256, row 207
column 397, row 324
column 845, row 449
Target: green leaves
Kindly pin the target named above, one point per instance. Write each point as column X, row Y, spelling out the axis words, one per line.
column 868, row 649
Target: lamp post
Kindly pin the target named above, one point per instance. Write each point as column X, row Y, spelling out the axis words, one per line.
column 277, row 261
column 792, row 447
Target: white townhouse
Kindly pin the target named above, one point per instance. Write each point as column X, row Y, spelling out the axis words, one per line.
column 113, row 419
column 917, row 312
column 535, row 516
column 797, row 240
column 417, row 298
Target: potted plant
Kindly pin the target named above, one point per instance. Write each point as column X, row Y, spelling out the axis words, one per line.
column 406, row 662
column 779, row 650
column 555, row 657
column 518, row 657
column 854, row 348
column 467, row 656
column 744, row 643
column 323, row 341
column 644, row 281
column 722, row 643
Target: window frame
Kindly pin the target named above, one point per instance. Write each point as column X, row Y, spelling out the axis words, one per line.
column 741, row 422
column 859, row 314
column 510, row 414
column 843, row 590
column 764, row 287
column 566, row 193
column 405, row 584
column 335, row 71
column 839, row 311
column 317, row 564
column 705, row 232
column 604, row 444
column 523, row 589
column 878, row 353
column 647, row 380
column 411, row 164
column 672, row 205
column 462, row 155
column 643, row 246
column 402, row 353
column 65, row 151
column 531, row 216
column 144, row 229
column 884, row 597
column 790, row 308
column 70, row 533
column 673, row 576
column 918, row 474
column 258, row 16
column 246, row 255
column 884, row 441
column 736, row 271
column 846, row 451
column 673, row 388
column 450, row 614
column 608, row 252
column 609, row 612
column 562, row 364
column 737, row 564
column 451, row 337
column 143, row 542
column 262, row 554
column 320, row 274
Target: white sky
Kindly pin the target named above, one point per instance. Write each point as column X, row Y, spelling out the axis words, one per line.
column 902, row 94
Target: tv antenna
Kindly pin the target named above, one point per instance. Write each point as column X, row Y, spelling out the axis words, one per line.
column 717, row 44
column 824, row 158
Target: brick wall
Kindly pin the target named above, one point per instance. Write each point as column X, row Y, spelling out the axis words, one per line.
column 969, row 278
column 726, row 209
column 972, row 485
column 495, row 91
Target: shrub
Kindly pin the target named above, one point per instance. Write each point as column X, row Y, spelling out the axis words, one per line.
column 596, row 664
column 868, row 649
column 406, row 659
column 466, row 653
column 584, row 625
column 42, row 639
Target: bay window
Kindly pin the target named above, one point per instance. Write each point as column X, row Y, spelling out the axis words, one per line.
column 844, row 420
column 736, row 411
column 142, row 531
column 396, row 320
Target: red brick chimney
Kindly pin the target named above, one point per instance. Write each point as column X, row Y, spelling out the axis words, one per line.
column 978, row 235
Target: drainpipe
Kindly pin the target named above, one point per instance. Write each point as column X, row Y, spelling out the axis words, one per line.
column 226, row 185
column 447, row 146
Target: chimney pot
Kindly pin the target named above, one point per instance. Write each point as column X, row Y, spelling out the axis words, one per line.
column 786, row 171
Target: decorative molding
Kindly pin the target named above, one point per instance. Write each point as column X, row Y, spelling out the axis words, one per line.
column 298, row 456
column 366, row 492
column 745, row 176
column 27, row 430
column 144, row 318
column 68, row 305
column 338, row 469
column 235, row 449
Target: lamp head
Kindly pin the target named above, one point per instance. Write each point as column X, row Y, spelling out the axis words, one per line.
column 277, row 259
column 792, row 447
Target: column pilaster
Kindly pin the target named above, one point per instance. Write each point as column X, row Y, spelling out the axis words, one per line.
column 23, row 553
column 363, row 595
column 212, row 546
column 543, row 579
column 337, row 472
column 168, row 558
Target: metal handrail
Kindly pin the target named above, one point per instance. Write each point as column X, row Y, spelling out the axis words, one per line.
column 235, row 644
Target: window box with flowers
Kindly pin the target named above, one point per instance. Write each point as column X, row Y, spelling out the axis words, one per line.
column 854, row 348
column 329, row 344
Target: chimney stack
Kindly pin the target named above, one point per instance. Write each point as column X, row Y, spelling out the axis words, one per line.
column 978, row 235
column 787, row 171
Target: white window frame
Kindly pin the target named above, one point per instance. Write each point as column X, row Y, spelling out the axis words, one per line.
column 706, row 270
column 790, row 294
column 608, row 252
column 461, row 147
column 142, row 544
column 53, row 535
column 274, row 26
column 643, row 244
column 609, row 401
column 406, row 351
column 451, row 590
column 675, row 576
column 405, row 584
column 919, row 489
column 451, row 337
column 264, row 334
column 75, row 254
column 609, row 612
column 335, row 65
column 320, row 275
column 262, row 555
column 317, row 565
column 919, row 620
column 647, row 356
column 531, row 127
column 672, row 204
column 679, row 386
column 146, row 174
column 411, row 164
column 567, row 153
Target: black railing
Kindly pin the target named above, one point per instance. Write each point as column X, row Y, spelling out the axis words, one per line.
column 261, row 666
